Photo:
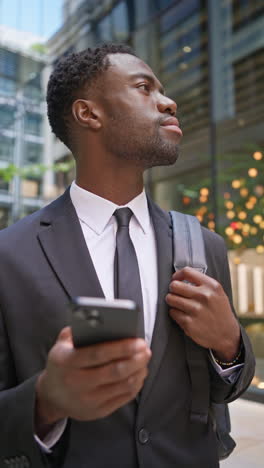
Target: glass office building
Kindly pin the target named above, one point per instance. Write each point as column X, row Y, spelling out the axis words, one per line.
column 209, row 57
column 21, row 121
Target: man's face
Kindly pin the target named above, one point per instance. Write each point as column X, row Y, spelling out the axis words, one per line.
column 139, row 123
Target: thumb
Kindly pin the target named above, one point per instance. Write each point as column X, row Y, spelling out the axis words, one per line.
column 65, row 335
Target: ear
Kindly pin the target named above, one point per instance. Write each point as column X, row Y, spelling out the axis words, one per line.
column 86, row 113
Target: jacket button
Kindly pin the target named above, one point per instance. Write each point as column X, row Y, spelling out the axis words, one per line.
column 143, row 436
column 25, row 462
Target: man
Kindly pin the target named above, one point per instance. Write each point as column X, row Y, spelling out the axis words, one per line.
column 116, row 404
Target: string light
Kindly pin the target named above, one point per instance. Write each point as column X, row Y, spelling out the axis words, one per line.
column 204, row 192
column 249, row 206
column 261, row 385
column 226, row 195
column 237, row 239
column 242, row 215
column 244, row 192
column 229, row 205
column 230, row 214
column 211, row 224
column 252, row 172
column 253, row 230
column 257, row 219
column 260, row 249
column 186, row 200
column 229, row 231
column 246, row 227
column 259, row 190
column 236, row 184
column 257, row 155
column 203, row 209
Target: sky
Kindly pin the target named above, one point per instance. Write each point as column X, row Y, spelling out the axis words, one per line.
column 40, row 17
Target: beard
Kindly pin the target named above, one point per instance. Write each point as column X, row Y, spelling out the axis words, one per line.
column 131, row 141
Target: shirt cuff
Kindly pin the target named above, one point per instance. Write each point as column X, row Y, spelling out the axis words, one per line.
column 52, row 437
column 230, row 374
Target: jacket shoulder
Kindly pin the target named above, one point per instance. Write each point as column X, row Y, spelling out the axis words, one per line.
column 29, row 225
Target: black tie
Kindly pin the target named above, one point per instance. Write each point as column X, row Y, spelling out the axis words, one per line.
column 127, row 278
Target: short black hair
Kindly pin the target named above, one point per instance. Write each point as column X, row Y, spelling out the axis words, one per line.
column 71, row 74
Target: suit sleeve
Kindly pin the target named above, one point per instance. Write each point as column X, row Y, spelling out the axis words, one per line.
column 221, row 390
column 17, row 444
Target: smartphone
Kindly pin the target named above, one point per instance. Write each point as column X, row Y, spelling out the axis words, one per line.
column 96, row 320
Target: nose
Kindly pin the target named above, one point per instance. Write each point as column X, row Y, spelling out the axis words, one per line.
column 167, row 105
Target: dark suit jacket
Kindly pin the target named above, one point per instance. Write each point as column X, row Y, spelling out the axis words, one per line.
column 45, row 262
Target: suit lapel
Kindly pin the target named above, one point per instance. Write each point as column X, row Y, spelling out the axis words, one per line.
column 163, row 234
column 63, row 243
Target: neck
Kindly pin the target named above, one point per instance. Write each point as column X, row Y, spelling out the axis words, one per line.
column 118, row 186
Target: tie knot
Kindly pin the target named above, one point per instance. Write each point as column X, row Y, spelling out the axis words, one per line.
column 123, row 216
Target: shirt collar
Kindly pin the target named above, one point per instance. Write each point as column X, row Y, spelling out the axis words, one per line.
column 96, row 211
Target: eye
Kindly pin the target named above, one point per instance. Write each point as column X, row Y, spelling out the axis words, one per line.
column 144, row 86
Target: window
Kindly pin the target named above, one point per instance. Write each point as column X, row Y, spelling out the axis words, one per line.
column 249, row 79
column 8, row 63
column 33, row 124
column 6, row 148
column 32, row 88
column 33, row 93
column 33, row 153
column 104, row 29
column 4, row 215
column 164, row 3
column 7, row 117
column 245, row 11
column 120, row 22
column 7, row 86
column 178, row 13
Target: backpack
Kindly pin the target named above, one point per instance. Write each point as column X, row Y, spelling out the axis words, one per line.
column 188, row 247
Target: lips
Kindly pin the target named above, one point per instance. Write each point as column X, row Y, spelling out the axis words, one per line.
column 172, row 124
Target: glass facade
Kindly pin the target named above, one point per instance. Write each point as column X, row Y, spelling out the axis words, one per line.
column 21, row 130
column 7, row 116
column 6, row 148
column 33, row 153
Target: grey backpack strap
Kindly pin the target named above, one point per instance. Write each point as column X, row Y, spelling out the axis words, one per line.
column 188, row 242
column 188, row 247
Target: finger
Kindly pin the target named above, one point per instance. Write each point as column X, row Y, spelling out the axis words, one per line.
column 186, row 305
column 65, row 335
column 183, row 289
column 120, row 395
column 117, row 371
column 182, row 319
column 103, row 353
column 191, row 275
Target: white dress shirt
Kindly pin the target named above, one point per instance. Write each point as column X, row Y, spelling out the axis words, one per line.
column 99, row 228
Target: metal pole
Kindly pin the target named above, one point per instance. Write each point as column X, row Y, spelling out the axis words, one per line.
column 212, row 113
column 18, row 157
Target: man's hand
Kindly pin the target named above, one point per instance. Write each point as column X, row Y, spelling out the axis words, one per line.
column 203, row 311
column 91, row 382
